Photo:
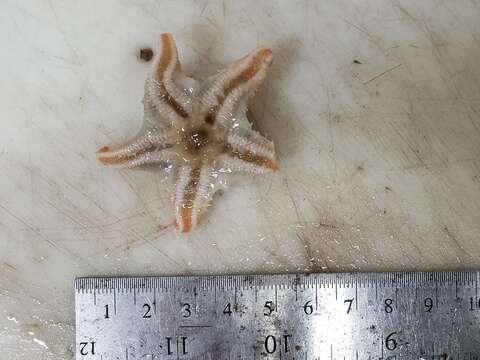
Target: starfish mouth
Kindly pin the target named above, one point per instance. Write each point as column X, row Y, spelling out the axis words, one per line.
column 196, row 140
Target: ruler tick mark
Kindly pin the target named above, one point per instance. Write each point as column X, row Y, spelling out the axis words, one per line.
column 178, row 355
column 154, row 302
column 276, row 299
column 382, row 348
column 476, row 289
column 235, row 305
column 195, row 326
column 195, row 299
column 356, row 296
column 456, row 288
column 396, row 295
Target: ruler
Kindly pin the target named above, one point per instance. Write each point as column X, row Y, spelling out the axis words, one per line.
column 317, row 316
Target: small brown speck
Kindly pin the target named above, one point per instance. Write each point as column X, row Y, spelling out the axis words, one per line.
column 146, row 54
column 357, row 62
column 388, row 188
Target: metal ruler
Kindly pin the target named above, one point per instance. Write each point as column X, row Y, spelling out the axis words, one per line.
column 316, row 316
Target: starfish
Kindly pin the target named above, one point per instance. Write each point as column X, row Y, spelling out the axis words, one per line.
column 198, row 129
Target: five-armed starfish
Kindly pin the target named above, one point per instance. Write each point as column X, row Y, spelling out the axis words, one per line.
column 199, row 129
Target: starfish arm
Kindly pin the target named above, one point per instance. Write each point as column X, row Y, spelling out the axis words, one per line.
column 144, row 143
column 192, row 196
column 229, row 164
column 248, row 151
column 162, row 157
column 159, row 107
column 234, row 85
column 169, row 91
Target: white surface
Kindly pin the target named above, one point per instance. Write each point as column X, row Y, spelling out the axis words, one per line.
column 379, row 161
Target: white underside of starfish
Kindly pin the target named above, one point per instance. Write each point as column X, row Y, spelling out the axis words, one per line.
column 200, row 130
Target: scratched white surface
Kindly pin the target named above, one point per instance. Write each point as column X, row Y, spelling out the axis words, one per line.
column 379, row 157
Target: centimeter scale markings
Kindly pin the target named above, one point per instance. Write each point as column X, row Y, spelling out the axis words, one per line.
column 317, row 316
